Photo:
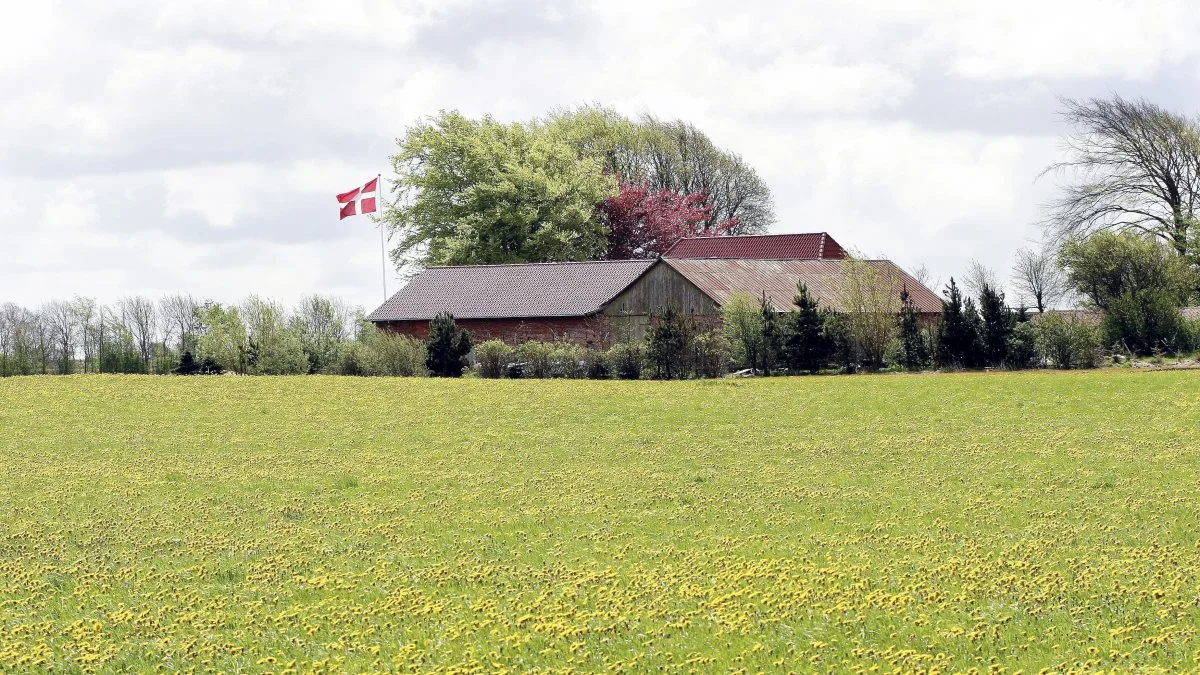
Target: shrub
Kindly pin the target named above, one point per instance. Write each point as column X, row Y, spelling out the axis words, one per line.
column 448, row 347
column 626, row 358
column 667, row 344
column 393, row 354
column 597, row 365
column 352, row 359
column 568, row 360
column 493, row 357
column 537, row 357
column 1022, row 347
column 710, row 354
column 1067, row 343
column 806, row 346
column 1145, row 322
column 742, row 319
column 912, row 347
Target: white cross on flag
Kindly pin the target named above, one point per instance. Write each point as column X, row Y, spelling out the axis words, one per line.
column 359, row 200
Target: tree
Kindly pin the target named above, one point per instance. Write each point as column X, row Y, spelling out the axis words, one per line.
column 84, row 310
column 772, row 335
column 741, row 317
column 806, row 347
column 644, row 224
column 223, row 337
column 321, row 324
column 447, row 348
column 273, row 348
column 979, row 277
column 869, row 297
column 1107, row 265
column 958, row 336
column 1039, row 279
column 179, row 312
column 996, row 322
column 1136, row 167
column 914, row 348
column 474, row 192
column 60, row 317
column 140, row 317
column 667, row 341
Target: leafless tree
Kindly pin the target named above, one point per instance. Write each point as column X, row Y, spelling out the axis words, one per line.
column 84, row 310
column 39, row 334
column 59, row 316
column 679, row 157
column 1038, row 279
column 7, row 336
column 179, row 318
column 1133, row 166
column 141, row 318
column 869, row 296
column 978, row 277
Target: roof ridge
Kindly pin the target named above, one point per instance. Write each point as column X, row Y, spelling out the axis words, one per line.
column 747, row 236
column 561, row 262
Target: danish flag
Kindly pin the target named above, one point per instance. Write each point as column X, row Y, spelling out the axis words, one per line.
column 359, row 200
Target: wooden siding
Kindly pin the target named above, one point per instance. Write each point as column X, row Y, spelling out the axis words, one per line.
column 656, row 290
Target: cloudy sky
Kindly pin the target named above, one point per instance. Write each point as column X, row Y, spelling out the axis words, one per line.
column 150, row 147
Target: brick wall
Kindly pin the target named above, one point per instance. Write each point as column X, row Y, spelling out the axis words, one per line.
column 585, row 330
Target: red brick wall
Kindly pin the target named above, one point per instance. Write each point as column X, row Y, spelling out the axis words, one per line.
column 585, row 330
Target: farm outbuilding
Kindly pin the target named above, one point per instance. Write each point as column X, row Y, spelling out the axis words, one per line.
column 598, row 302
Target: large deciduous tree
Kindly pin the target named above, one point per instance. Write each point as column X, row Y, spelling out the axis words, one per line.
column 477, row 191
column 1132, row 166
column 1038, row 279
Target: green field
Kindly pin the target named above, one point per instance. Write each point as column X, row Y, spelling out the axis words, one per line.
column 836, row 523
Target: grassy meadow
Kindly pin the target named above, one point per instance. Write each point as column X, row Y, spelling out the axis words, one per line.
column 931, row 522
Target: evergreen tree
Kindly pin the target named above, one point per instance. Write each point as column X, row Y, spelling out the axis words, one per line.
column 666, row 344
column 448, row 347
column 997, row 324
column 958, row 336
column 806, row 347
column 914, row 350
column 772, row 336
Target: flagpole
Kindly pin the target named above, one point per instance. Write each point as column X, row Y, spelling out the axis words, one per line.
column 382, row 245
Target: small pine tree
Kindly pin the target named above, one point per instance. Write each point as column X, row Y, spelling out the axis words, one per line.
column 914, row 349
column 667, row 343
column 997, row 323
column 448, row 347
column 772, row 336
column 806, row 347
column 958, row 336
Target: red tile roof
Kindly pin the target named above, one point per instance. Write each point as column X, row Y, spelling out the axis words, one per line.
column 806, row 246
column 721, row 278
column 512, row 291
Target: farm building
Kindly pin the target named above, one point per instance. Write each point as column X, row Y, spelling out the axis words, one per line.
column 599, row 302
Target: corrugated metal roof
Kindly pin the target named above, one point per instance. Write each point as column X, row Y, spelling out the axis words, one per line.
column 720, row 278
column 511, row 291
column 805, row 246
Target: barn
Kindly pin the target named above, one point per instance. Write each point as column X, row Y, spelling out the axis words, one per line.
column 599, row 302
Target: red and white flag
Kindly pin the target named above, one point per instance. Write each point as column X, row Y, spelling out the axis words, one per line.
column 359, row 200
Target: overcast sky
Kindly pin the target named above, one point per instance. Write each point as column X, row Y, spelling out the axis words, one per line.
column 150, row 147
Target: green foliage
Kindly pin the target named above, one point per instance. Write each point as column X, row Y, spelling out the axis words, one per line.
column 741, row 317
column 568, row 360
column 772, row 335
column 626, row 359
column 806, row 346
column 538, row 358
column 1145, row 322
column 667, row 341
column 1067, row 342
column 320, row 324
column 223, row 339
column 389, row 354
column 843, row 346
column 710, row 353
column 597, row 366
column 484, row 192
column 913, row 347
column 1106, row 266
column 959, row 343
column 447, row 348
column 1022, row 346
column 493, row 358
column 996, row 324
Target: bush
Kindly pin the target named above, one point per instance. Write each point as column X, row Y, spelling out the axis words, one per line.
column 710, row 354
column 1067, row 343
column 537, row 357
column 393, row 354
column 1145, row 322
column 597, row 365
column 352, row 359
column 1022, row 347
column 446, row 353
column 568, row 360
column 625, row 359
column 667, row 343
column 493, row 357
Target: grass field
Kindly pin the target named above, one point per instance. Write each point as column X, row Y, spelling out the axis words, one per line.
column 908, row 522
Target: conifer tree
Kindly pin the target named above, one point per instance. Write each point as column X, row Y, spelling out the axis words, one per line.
column 448, row 347
column 997, row 323
column 958, row 336
column 914, row 350
column 806, row 347
column 772, row 338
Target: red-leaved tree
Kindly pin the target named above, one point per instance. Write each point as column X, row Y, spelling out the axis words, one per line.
column 644, row 224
